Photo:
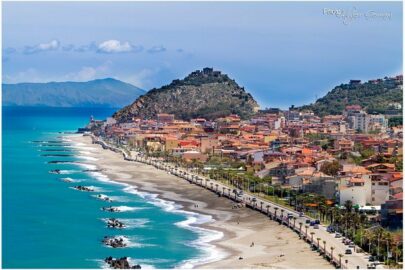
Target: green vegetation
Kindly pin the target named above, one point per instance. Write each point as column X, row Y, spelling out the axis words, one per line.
column 345, row 219
column 375, row 98
column 395, row 121
column 207, row 94
column 330, row 168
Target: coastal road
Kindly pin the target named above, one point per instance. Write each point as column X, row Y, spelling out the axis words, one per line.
column 271, row 209
column 280, row 213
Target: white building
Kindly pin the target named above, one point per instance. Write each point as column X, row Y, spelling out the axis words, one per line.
column 357, row 190
column 380, row 192
column 361, row 190
column 377, row 122
column 110, row 121
column 358, row 121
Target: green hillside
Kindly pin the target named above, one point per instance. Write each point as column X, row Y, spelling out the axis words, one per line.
column 375, row 96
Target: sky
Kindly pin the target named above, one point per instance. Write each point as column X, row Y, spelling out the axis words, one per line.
column 282, row 53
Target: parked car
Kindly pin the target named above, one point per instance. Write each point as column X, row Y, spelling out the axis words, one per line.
column 312, row 223
column 316, row 226
column 301, row 214
column 317, row 221
column 307, row 221
column 338, row 235
column 348, row 251
column 371, row 259
column 289, row 215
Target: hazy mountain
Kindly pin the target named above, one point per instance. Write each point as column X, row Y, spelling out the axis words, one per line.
column 207, row 93
column 97, row 93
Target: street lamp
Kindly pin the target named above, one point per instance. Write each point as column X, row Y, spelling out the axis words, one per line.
column 312, row 237
column 324, row 248
column 306, row 231
column 340, row 260
column 331, row 253
column 300, row 229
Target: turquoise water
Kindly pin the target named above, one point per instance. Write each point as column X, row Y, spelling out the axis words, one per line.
column 47, row 224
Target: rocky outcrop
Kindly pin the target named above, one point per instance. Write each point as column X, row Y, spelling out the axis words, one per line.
column 121, row 263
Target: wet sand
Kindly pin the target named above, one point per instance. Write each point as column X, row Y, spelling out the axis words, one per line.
column 275, row 246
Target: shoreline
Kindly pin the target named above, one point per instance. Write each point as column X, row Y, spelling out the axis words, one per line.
column 274, row 245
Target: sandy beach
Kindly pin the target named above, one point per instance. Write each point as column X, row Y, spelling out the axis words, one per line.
column 275, row 246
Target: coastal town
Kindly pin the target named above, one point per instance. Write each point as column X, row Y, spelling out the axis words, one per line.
column 335, row 175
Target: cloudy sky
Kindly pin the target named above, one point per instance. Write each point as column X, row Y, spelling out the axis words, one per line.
column 283, row 53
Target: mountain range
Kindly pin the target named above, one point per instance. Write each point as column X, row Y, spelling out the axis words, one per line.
column 97, row 93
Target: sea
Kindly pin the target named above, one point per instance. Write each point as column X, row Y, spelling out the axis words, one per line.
column 46, row 223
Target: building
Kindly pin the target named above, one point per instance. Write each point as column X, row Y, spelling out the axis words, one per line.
column 392, row 214
column 377, row 122
column 358, row 191
column 164, row 118
column 358, row 120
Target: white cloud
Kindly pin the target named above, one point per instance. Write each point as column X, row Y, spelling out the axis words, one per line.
column 88, row 73
column 142, row 78
column 85, row 73
column 42, row 47
column 116, row 46
column 28, row 75
column 157, row 49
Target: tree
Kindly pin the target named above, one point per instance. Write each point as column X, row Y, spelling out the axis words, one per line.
column 395, row 121
column 348, row 205
column 330, row 168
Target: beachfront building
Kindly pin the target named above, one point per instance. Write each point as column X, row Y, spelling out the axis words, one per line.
column 357, row 190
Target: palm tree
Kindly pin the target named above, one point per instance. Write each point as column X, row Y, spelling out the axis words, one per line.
column 268, row 206
column 318, row 239
column 261, row 206
column 348, row 205
column 294, row 218
column 275, row 212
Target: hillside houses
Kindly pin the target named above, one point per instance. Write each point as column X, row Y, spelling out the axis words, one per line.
column 329, row 156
